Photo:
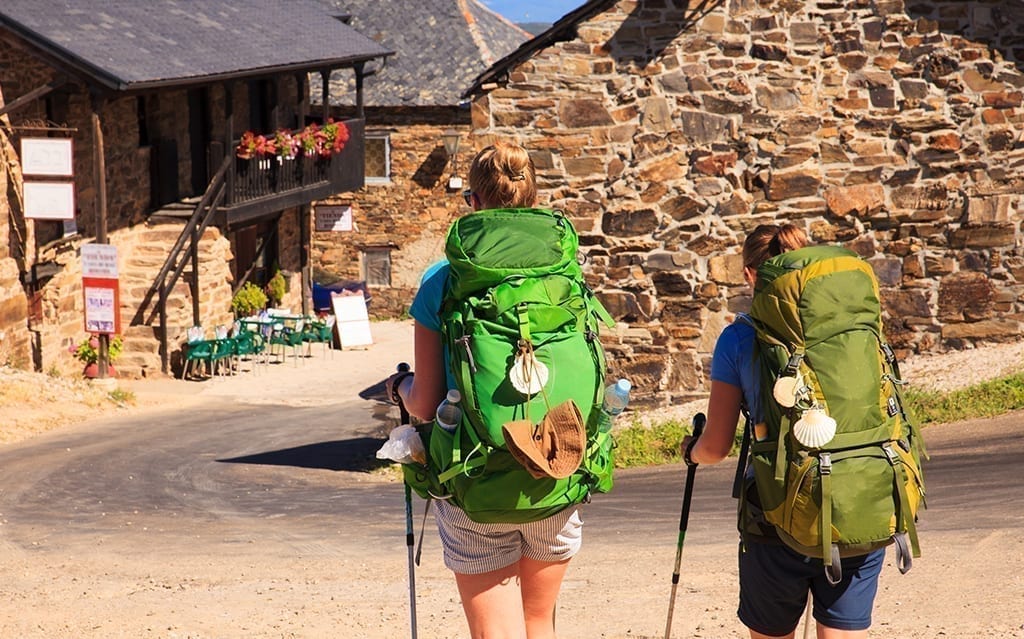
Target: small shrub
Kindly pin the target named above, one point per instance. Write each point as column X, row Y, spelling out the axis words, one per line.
column 88, row 350
column 276, row 288
column 248, row 300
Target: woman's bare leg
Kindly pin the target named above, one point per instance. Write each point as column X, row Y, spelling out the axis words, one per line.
column 493, row 604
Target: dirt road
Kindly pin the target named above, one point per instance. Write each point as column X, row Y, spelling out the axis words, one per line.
column 246, row 511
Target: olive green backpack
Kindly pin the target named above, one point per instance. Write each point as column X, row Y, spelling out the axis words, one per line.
column 515, row 284
column 836, row 462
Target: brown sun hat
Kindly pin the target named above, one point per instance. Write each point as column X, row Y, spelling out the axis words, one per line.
column 552, row 448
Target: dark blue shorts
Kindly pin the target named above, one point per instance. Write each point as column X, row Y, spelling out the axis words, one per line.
column 775, row 580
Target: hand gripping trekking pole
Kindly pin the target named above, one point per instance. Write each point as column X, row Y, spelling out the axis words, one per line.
column 410, row 536
column 698, row 427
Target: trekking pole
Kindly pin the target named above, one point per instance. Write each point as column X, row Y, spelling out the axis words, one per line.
column 698, row 427
column 410, row 536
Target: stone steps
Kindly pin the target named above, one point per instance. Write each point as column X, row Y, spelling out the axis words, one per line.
column 147, row 250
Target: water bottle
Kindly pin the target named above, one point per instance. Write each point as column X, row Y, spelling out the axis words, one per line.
column 616, row 397
column 449, row 414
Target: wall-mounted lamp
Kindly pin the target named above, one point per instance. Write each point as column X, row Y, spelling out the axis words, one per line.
column 451, row 139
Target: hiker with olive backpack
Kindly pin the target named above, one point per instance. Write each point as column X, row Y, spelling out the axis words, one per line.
column 834, row 471
column 509, row 381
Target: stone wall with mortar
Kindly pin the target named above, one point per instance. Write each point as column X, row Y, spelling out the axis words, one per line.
column 411, row 214
column 892, row 128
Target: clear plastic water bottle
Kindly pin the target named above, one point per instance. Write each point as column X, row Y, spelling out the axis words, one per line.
column 616, row 397
column 449, row 413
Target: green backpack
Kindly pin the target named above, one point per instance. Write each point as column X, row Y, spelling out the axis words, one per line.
column 515, row 281
column 836, row 461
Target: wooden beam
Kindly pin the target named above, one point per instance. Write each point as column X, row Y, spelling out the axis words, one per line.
column 34, row 94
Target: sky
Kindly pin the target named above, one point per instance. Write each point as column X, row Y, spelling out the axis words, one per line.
column 533, row 10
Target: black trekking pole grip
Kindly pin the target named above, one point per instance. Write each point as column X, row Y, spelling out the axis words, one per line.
column 402, row 367
column 699, row 420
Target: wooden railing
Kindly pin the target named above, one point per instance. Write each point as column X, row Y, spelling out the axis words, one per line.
column 260, row 178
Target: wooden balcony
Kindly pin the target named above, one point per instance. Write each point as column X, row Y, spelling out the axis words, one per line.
column 257, row 188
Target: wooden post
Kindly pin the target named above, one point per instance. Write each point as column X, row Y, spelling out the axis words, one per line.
column 325, row 95
column 100, row 178
column 229, row 137
column 359, row 68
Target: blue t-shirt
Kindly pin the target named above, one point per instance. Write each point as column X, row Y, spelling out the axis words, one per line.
column 733, row 363
column 426, row 306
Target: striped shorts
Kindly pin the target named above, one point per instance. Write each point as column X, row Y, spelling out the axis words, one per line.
column 472, row 548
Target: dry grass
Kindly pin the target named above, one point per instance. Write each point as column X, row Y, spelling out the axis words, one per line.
column 33, row 403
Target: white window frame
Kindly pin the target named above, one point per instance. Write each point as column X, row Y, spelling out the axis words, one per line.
column 364, row 252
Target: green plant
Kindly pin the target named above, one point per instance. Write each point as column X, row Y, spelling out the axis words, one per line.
column 88, row 350
column 121, row 397
column 276, row 288
column 248, row 300
column 639, row 445
column 986, row 399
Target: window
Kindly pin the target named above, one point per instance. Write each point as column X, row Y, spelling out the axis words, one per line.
column 377, row 266
column 378, row 157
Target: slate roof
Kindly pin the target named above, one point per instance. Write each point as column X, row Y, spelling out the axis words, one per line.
column 562, row 30
column 440, row 46
column 132, row 44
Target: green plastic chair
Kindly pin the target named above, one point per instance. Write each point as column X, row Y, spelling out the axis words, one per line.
column 223, row 351
column 286, row 336
column 249, row 344
column 321, row 332
column 197, row 352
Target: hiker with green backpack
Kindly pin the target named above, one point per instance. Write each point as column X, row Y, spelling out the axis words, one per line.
column 509, row 384
column 834, row 463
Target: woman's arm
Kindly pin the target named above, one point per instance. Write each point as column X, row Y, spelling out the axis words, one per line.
column 720, row 432
column 428, row 384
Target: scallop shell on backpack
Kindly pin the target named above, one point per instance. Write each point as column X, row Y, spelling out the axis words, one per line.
column 815, row 428
column 528, row 374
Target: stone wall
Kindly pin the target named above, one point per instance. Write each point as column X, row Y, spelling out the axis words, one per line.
column 666, row 136
column 411, row 214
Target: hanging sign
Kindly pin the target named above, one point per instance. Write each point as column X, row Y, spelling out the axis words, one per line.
column 47, row 156
column 49, row 200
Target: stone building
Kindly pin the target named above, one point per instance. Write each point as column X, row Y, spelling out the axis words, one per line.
column 411, row 104
column 154, row 99
column 668, row 129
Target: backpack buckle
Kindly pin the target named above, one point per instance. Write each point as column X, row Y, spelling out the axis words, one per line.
column 890, row 355
column 825, row 464
column 894, row 458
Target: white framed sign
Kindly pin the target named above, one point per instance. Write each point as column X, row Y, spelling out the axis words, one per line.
column 47, row 156
column 50, row 200
column 99, row 260
column 353, row 320
column 334, row 218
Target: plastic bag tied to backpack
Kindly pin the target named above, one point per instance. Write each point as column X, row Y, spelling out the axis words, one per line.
column 403, row 446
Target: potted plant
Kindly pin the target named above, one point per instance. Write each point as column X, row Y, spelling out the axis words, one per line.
column 276, row 288
column 249, row 300
column 88, row 352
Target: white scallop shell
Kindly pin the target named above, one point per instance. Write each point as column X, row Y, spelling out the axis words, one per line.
column 784, row 391
column 815, row 428
column 528, row 374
